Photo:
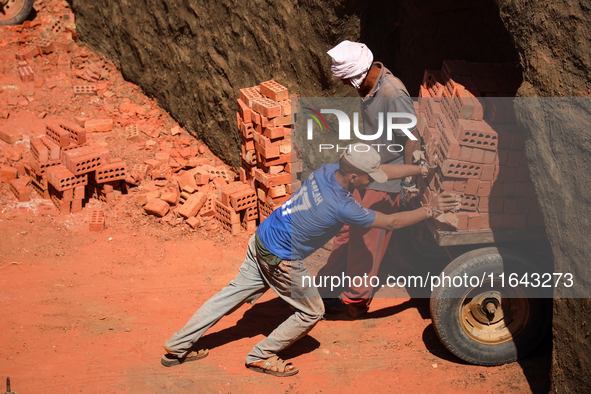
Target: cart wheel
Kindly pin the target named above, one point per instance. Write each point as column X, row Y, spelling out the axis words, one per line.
column 13, row 12
column 489, row 325
column 414, row 249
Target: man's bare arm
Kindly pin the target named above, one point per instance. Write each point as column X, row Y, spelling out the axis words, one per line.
column 443, row 202
column 399, row 171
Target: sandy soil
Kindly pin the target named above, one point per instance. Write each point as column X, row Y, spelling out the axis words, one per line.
column 89, row 312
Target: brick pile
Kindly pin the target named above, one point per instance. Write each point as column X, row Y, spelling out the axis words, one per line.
column 66, row 169
column 269, row 166
column 477, row 145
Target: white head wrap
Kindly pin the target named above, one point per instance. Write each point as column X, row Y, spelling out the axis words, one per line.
column 352, row 61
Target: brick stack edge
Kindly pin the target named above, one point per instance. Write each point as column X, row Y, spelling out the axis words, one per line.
column 269, row 170
column 66, row 169
column 477, row 145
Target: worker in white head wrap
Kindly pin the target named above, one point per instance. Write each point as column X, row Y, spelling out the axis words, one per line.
column 351, row 61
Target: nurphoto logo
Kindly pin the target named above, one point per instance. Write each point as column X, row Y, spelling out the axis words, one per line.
column 390, row 119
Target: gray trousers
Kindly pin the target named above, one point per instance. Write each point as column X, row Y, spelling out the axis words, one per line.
column 254, row 278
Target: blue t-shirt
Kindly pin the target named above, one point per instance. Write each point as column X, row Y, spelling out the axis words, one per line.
column 312, row 216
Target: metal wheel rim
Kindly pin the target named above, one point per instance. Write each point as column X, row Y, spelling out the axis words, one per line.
column 510, row 316
column 11, row 9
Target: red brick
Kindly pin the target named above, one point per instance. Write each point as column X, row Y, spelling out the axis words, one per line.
column 251, row 213
column 531, row 219
column 247, row 95
column 58, row 135
column 459, row 186
column 243, row 199
column 10, row 136
column 76, row 206
column 285, row 107
column 77, row 134
column 291, row 188
column 512, row 174
column 193, row 204
column 296, row 167
column 508, row 189
column 267, row 107
column 476, row 134
column 115, row 170
column 45, row 46
column 508, row 220
column 18, row 186
column 26, row 74
column 484, row 189
column 485, row 221
column 244, row 111
column 462, row 169
column 503, row 155
column 465, row 153
column 520, row 220
column 433, row 81
column 219, row 182
column 39, row 150
column 272, row 180
column 522, row 205
column 474, row 221
column 472, row 187
column 517, row 142
column 278, row 200
column 273, row 191
column 194, row 222
column 7, row 174
column 495, row 205
column 483, row 205
column 249, row 226
column 171, row 198
column 274, row 132
column 469, row 203
column 27, row 53
column 85, row 89
column 201, row 178
column 274, row 90
column 513, row 158
column 62, row 179
column 510, row 205
column 523, row 160
column 521, row 190
column 98, row 125
column 81, row 160
column 96, row 221
column 463, row 218
column 157, row 207
column 488, row 172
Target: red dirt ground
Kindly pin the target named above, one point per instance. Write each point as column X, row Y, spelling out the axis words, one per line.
column 89, row 312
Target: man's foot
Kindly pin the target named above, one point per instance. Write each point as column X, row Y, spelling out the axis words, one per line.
column 274, row 366
column 334, row 305
column 169, row 360
column 356, row 311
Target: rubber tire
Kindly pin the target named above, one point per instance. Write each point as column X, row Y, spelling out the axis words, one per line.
column 21, row 16
column 446, row 302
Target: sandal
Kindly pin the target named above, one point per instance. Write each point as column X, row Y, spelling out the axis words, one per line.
column 169, row 360
column 273, row 366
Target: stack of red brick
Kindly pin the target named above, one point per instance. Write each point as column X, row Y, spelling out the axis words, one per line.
column 269, row 166
column 472, row 135
column 43, row 47
column 65, row 168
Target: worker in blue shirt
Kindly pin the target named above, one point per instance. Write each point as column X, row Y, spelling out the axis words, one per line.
column 305, row 222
